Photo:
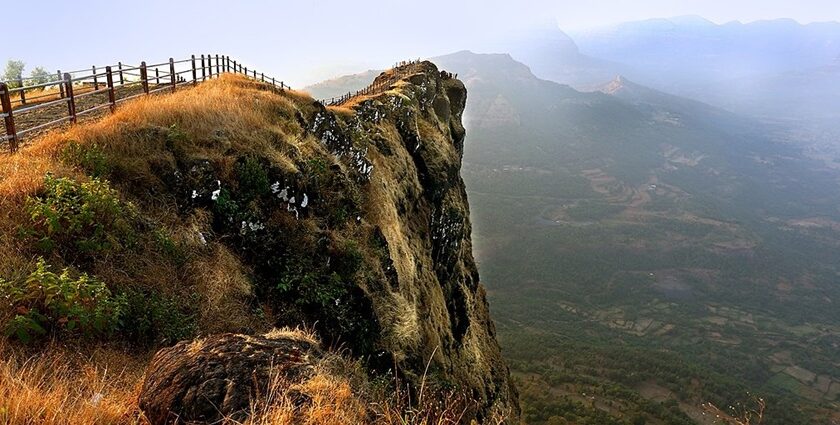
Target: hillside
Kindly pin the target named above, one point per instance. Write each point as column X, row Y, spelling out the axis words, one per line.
column 228, row 208
column 646, row 253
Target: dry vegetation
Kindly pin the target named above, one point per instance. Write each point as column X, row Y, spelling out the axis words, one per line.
column 90, row 382
column 63, row 386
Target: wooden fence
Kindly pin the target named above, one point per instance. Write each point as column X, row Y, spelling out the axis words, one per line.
column 30, row 106
column 399, row 71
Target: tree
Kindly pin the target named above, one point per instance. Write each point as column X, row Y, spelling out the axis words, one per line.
column 14, row 72
column 40, row 75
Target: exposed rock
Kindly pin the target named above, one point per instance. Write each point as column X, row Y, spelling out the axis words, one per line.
column 354, row 220
column 217, row 377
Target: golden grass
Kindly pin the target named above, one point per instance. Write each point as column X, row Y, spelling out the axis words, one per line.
column 60, row 387
column 330, row 401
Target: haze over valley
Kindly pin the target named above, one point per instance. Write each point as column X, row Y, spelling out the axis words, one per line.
column 652, row 230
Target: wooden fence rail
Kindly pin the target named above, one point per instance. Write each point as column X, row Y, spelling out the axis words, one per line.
column 30, row 106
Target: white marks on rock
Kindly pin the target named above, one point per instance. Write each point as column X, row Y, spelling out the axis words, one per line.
column 250, row 226
column 294, row 203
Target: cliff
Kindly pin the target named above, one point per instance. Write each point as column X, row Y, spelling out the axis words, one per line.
column 231, row 208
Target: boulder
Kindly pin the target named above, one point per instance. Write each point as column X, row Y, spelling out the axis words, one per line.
column 216, row 377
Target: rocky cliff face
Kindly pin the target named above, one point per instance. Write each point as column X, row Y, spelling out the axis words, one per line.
column 354, row 220
column 426, row 301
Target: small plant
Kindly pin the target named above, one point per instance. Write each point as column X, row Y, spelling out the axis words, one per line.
column 87, row 217
column 90, row 158
column 152, row 317
column 47, row 301
column 252, row 178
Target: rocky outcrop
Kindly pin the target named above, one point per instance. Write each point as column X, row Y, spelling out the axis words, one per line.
column 353, row 220
column 218, row 377
column 433, row 305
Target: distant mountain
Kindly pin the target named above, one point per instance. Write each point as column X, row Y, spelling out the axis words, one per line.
column 777, row 69
column 669, row 52
column 341, row 85
column 648, row 250
column 553, row 55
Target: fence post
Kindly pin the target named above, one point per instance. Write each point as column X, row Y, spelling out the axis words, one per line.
column 235, row 66
column 195, row 75
column 203, row 70
column 218, row 67
column 172, row 73
column 95, row 78
column 8, row 118
column 119, row 67
column 255, row 74
column 22, row 92
column 246, row 70
column 60, row 86
column 112, row 98
column 144, row 77
column 209, row 66
column 157, row 76
column 71, row 100
column 262, row 77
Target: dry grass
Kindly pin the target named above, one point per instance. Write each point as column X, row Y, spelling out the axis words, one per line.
column 63, row 387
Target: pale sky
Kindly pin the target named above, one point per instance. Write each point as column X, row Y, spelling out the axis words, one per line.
column 306, row 41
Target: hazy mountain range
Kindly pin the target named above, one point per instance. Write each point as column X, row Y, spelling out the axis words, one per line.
column 650, row 240
column 778, row 70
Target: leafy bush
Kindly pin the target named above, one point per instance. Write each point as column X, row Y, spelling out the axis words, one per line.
column 252, row 178
column 46, row 301
column 90, row 158
column 152, row 317
column 87, row 217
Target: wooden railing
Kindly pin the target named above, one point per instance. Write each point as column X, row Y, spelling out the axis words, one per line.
column 399, row 71
column 30, row 106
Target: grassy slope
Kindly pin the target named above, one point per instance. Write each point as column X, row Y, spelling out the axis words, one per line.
column 186, row 280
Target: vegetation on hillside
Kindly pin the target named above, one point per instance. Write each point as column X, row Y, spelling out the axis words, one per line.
column 151, row 226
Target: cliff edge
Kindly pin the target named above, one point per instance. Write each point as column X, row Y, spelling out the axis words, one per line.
column 231, row 208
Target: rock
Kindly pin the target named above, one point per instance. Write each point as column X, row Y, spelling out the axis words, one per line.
column 218, row 376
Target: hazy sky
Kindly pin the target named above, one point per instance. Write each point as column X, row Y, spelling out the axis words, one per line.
column 306, row 41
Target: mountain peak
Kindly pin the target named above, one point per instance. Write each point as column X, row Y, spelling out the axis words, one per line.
column 691, row 20
column 616, row 85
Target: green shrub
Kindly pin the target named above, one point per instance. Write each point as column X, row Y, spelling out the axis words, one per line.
column 252, row 178
column 152, row 317
column 85, row 218
column 46, row 301
column 90, row 158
